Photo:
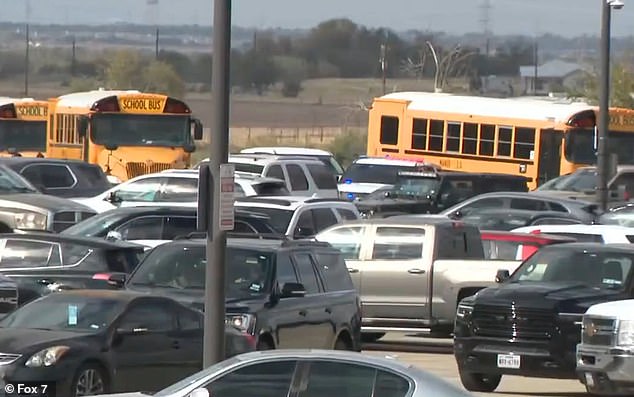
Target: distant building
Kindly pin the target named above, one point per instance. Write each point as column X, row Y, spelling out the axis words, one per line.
column 553, row 76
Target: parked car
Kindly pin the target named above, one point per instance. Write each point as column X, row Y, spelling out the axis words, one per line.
column 411, row 273
column 607, row 234
column 95, row 342
column 621, row 215
column 8, row 295
column 604, row 356
column 286, row 294
column 323, row 372
column 323, row 155
column 145, row 224
column 300, row 217
column 61, row 178
column 531, row 201
column 509, row 219
column 508, row 246
column 427, row 191
column 530, row 323
column 41, row 263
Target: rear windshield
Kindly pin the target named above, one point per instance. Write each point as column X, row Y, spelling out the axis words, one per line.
column 373, row 173
column 271, row 189
column 249, row 168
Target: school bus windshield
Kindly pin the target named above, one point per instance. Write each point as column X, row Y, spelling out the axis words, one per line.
column 140, row 130
column 23, row 135
column 581, row 146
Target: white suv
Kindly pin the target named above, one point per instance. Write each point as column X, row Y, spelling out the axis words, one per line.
column 300, row 217
column 174, row 188
column 323, row 155
column 304, row 176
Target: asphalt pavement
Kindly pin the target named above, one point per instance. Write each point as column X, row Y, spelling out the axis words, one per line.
column 435, row 355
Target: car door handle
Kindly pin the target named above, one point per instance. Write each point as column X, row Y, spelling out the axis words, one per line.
column 176, row 345
column 302, row 313
column 416, row 271
column 353, row 270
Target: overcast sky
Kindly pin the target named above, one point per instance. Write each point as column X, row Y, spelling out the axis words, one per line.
column 564, row 17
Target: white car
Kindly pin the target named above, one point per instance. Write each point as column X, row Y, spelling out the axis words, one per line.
column 325, row 156
column 174, row 187
column 607, row 234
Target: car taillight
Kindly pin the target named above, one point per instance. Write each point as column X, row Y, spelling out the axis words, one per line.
column 101, row 276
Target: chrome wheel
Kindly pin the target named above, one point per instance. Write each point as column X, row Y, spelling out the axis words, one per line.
column 89, row 382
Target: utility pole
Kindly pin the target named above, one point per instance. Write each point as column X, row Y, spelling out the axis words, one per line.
column 156, row 45
column 383, row 60
column 73, row 60
column 604, row 104
column 26, row 62
column 214, row 334
column 535, row 71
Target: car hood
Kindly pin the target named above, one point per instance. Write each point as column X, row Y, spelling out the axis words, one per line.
column 30, row 341
column 46, row 201
column 363, row 188
column 567, row 297
column 193, row 297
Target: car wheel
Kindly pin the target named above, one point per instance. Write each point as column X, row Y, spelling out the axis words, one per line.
column 263, row 344
column 371, row 337
column 90, row 380
column 479, row 382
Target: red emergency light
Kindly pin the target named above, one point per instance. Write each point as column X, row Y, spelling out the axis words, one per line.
column 175, row 106
column 8, row 112
column 586, row 119
column 108, row 104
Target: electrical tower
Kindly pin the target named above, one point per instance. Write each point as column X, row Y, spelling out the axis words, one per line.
column 485, row 20
column 152, row 10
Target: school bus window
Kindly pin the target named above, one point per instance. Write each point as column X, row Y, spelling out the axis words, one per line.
column 419, row 134
column 389, row 130
column 469, row 138
column 524, row 142
column 453, row 136
column 505, row 135
column 487, row 139
column 51, row 131
column 436, row 134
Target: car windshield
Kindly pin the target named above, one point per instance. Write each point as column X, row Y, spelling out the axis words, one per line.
column 497, row 221
column 248, row 168
column 183, row 267
column 12, row 182
column 410, row 188
column 60, row 312
column 554, row 183
column 23, row 135
column 271, row 189
column 621, row 218
column 140, row 130
column 373, row 173
column 277, row 218
column 579, row 181
column 95, row 226
column 600, row 269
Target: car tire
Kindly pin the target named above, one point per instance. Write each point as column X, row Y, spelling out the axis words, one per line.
column 263, row 344
column 479, row 382
column 371, row 337
column 89, row 380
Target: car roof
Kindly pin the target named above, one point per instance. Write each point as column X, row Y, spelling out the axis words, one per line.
column 518, row 236
column 389, row 161
column 286, row 150
column 513, row 211
column 71, row 239
column 535, row 194
column 239, row 176
column 263, row 159
column 255, row 241
column 595, row 247
column 408, row 220
column 9, row 161
column 580, row 228
column 174, row 209
column 289, row 202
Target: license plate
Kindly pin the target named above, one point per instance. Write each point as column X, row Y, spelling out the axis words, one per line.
column 508, row 361
column 589, row 379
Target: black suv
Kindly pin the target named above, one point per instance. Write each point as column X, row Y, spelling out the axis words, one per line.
column 530, row 324
column 44, row 262
column 287, row 294
column 429, row 191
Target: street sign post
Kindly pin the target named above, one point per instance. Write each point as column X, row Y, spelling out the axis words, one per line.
column 227, row 198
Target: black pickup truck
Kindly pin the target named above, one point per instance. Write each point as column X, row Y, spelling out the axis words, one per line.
column 530, row 323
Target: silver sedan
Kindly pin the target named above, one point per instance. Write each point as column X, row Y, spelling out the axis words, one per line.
column 309, row 373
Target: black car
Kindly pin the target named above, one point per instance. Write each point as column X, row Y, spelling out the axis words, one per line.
column 430, row 191
column 530, row 323
column 97, row 341
column 288, row 294
column 61, row 178
column 41, row 263
column 508, row 219
column 159, row 223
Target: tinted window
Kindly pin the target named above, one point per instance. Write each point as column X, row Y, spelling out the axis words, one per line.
column 556, row 221
column 482, row 203
column 397, row 243
column 141, row 190
column 626, row 180
column 455, row 191
column 324, row 179
column 347, row 214
column 324, row 218
column 557, row 207
column 389, row 130
column 151, row 316
column 305, row 225
column 189, row 320
column 93, row 175
column 306, row 271
column 373, row 173
column 25, row 253
column 501, row 250
column 390, row 385
column 263, row 380
column 238, row 191
column 345, row 239
column 50, row 176
column 180, row 189
column 297, row 177
column 176, row 226
column 334, row 272
column 243, row 227
column 285, row 270
column 275, row 171
column 278, row 218
column 528, row 204
column 270, row 189
column 145, row 228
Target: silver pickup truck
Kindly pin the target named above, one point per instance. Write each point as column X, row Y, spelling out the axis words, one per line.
column 412, row 272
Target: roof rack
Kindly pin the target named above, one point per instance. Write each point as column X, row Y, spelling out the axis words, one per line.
column 307, row 243
column 325, row 200
column 259, row 236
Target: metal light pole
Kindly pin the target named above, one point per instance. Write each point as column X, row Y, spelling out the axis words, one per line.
column 214, row 334
column 26, row 61
column 603, row 155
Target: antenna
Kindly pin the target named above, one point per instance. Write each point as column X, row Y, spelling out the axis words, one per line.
column 485, row 20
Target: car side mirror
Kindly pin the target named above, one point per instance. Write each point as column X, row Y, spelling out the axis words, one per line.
column 117, row 279
column 304, row 232
column 114, row 235
column 189, row 148
column 199, row 393
column 113, row 198
column 456, row 214
column 502, row 275
column 293, row 290
column 111, row 146
column 198, row 129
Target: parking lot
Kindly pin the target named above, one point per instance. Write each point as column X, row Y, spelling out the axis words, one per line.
column 435, row 355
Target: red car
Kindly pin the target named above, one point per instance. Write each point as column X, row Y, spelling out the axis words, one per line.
column 510, row 246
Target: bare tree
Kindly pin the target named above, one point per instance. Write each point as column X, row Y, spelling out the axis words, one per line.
column 451, row 63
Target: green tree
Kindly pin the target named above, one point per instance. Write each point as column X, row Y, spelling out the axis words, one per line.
column 621, row 86
column 124, row 70
column 160, row 77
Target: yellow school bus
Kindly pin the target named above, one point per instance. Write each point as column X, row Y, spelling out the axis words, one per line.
column 128, row 133
column 23, row 127
column 540, row 138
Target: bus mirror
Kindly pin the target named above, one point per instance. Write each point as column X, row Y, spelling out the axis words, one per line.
column 198, row 130
column 82, row 125
column 189, row 147
column 111, row 146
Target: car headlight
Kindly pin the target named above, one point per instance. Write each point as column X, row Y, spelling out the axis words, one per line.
column 464, row 310
column 47, row 357
column 626, row 333
column 243, row 322
column 30, row 220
